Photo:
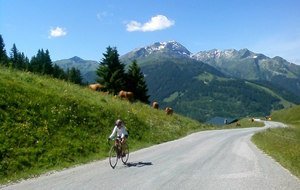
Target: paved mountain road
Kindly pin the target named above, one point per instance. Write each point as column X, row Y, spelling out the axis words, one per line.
column 220, row 159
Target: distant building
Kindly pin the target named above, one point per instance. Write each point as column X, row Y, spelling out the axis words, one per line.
column 220, row 121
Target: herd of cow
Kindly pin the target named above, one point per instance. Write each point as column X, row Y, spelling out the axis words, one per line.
column 127, row 96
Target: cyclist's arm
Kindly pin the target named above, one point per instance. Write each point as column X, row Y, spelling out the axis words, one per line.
column 113, row 133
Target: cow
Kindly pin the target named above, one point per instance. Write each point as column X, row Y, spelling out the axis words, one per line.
column 126, row 95
column 96, row 87
column 155, row 105
column 169, row 111
column 237, row 124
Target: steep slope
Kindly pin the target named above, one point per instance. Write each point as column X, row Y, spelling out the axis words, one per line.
column 86, row 67
column 48, row 124
column 245, row 64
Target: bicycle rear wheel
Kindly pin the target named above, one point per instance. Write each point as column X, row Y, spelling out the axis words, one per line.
column 113, row 156
column 125, row 158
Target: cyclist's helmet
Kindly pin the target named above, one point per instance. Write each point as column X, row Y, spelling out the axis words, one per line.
column 119, row 122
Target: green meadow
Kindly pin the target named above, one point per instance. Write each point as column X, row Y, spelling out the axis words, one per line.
column 283, row 144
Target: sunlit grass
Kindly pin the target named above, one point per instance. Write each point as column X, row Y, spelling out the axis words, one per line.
column 283, row 144
column 48, row 124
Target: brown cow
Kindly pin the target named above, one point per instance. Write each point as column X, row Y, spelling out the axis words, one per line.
column 96, row 87
column 169, row 111
column 126, row 95
column 155, row 105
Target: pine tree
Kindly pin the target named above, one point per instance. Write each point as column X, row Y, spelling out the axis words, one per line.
column 47, row 63
column 14, row 56
column 18, row 59
column 74, row 76
column 22, row 61
column 3, row 55
column 35, row 63
column 41, row 63
column 136, row 82
column 59, row 73
column 111, row 71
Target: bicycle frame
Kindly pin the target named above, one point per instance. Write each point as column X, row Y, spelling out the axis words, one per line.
column 115, row 153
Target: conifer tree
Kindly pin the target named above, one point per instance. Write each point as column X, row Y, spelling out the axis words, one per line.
column 59, row 72
column 47, row 64
column 111, row 71
column 136, row 82
column 74, row 76
column 18, row 59
column 3, row 55
column 41, row 63
column 14, row 56
column 36, row 62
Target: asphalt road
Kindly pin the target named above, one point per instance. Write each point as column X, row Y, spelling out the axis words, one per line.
column 220, row 159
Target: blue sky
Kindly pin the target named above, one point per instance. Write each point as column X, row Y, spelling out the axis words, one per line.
column 86, row 28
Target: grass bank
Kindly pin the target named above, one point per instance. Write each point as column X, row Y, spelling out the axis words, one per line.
column 283, row 144
column 47, row 124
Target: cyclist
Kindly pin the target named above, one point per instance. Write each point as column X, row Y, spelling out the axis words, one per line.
column 122, row 134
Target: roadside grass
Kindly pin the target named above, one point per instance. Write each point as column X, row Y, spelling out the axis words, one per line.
column 283, row 144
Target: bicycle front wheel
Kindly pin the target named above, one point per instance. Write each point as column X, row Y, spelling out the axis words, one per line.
column 125, row 158
column 113, row 156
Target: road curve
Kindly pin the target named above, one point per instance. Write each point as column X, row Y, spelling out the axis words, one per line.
column 219, row 159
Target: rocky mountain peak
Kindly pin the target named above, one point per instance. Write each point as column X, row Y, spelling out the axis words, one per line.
column 171, row 47
column 76, row 59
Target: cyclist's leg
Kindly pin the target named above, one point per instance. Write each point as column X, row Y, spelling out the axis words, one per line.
column 118, row 140
column 123, row 145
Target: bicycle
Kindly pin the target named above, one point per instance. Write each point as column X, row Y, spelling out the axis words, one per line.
column 115, row 153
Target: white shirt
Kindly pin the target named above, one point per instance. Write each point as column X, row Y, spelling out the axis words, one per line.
column 120, row 132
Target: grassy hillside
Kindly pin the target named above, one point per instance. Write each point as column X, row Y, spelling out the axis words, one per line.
column 283, row 144
column 48, row 124
column 197, row 90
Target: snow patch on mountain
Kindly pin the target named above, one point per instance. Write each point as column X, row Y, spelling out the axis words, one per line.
column 172, row 47
column 214, row 54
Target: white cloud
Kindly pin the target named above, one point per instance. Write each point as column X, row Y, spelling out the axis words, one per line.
column 57, row 32
column 158, row 22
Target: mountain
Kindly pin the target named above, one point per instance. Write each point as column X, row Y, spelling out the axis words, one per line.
column 245, row 64
column 198, row 90
column 171, row 49
column 86, row 67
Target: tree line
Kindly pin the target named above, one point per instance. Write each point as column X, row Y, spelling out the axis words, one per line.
column 111, row 71
column 40, row 63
